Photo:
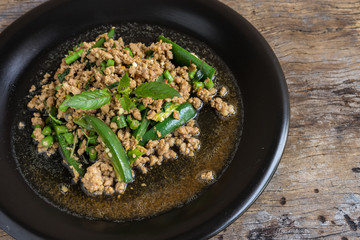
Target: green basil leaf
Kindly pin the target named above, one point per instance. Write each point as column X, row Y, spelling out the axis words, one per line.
column 89, row 65
column 111, row 86
column 156, row 90
column 124, row 83
column 149, row 54
column 61, row 76
column 134, row 154
column 160, row 78
column 126, row 103
column 88, row 82
column 82, row 123
column 55, row 119
column 63, row 107
column 88, row 100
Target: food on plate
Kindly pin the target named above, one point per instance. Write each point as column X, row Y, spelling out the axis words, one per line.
column 115, row 110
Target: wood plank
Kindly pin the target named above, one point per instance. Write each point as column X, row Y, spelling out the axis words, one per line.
column 5, row 236
column 315, row 191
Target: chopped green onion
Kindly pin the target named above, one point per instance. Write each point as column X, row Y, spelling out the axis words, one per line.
column 141, row 130
column 62, row 75
column 78, row 45
column 130, row 52
column 134, row 154
column 192, row 74
column 102, row 67
column 110, row 62
column 47, row 141
column 166, row 105
column 92, row 140
column 92, row 153
column 186, row 112
column 184, row 58
column 133, row 123
column 169, row 109
column 198, row 85
column 73, row 57
column 120, row 121
column 168, row 76
column 98, row 43
column 209, row 83
column 61, row 129
column 111, row 33
column 69, row 138
column 35, row 127
column 47, row 130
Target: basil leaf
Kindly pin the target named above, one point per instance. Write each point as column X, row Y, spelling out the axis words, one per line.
column 61, row 76
column 111, row 86
column 56, row 120
column 88, row 100
column 52, row 115
column 135, row 152
column 156, row 90
column 149, row 54
column 89, row 65
column 63, row 107
column 124, row 83
column 87, row 85
column 126, row 103
column 82, row 123
column 160, row 78
column 88, row 82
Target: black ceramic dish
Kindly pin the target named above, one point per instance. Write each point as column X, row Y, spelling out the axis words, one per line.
column 266, row 116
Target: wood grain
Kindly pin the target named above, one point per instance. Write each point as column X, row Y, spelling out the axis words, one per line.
column 315, row 193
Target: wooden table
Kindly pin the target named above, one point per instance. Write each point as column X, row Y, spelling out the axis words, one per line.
column 315, row 192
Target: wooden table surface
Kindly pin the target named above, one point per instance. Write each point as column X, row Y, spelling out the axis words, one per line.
column 315, row 193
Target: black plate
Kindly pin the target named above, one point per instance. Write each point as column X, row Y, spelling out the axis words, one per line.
column 251, row 60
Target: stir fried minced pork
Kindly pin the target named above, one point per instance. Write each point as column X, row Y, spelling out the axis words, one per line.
column 97, row 68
